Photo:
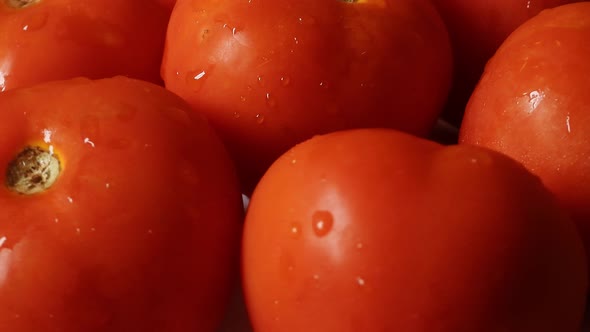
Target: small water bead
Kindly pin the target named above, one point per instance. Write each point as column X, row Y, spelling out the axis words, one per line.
column 322, row 222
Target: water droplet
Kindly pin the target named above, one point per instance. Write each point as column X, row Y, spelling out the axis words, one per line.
column 360, row 281
column 243, row 98
column 260, row 81
column 270, row 100
column 306, row 20
column 322, row 222
column 295, row 230
column 88, row 141
column 293, row 161
column 35, row 21
column 285, row 80
column 296, row 40
column 568, row 124
column 236, row 115
column 324, row 84
column 535, row 98
column 195, row 79
column 259, row 119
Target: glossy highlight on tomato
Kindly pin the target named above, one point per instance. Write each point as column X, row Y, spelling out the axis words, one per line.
column 120, row 211
column 269, row 74
column 376, row 230
column 46, row 40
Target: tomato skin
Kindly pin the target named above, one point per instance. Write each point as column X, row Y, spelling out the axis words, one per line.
column 141, row 230
column 62, row 39
column 477, row 29
column 531, row 104
column 270, row 74
column 375, row 230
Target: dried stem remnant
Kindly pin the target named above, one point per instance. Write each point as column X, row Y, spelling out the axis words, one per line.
column 32, row 171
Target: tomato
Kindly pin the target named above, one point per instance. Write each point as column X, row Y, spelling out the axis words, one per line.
column 169, row 4
column 477, row 28
column 43, row 40
column 120, row 211
column 376, row 230
column 269, row 74
column 531, row 104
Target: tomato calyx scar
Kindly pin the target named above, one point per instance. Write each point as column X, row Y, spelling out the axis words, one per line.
column 20, row 3
column 32, row 171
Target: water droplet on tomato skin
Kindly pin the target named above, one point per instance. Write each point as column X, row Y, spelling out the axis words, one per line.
column 35, row 21
column 306, row 20
column 195, row 79
column 260, row 81
column 360, row 281
column 322, row 223
column 285, row 80
column 259, row 119
column 295, row 230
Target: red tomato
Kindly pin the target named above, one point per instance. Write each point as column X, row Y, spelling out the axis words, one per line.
column 270, row 74
column 169, row 4
column 477, row 28
column 532, row 104
column 140, row 229
column 44, row 40
column 375, row 230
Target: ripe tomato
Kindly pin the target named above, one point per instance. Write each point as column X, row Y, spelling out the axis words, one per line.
column 375, row 230
column 43, row 40
column 477, row 28
column 140, row 229
column 169, row 4
column 532, row 104
column 270, row 74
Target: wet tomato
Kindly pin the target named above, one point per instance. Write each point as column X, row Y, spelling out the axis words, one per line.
column 375, row 230
column 269, row 74
column 120, row 211
column 45, row 40
column 477, row 28
column 532, row 104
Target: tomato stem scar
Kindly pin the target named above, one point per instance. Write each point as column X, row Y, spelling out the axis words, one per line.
column 20, row 3
column 32, row 171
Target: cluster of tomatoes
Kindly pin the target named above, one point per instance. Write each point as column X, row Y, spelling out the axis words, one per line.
column 412, row 165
